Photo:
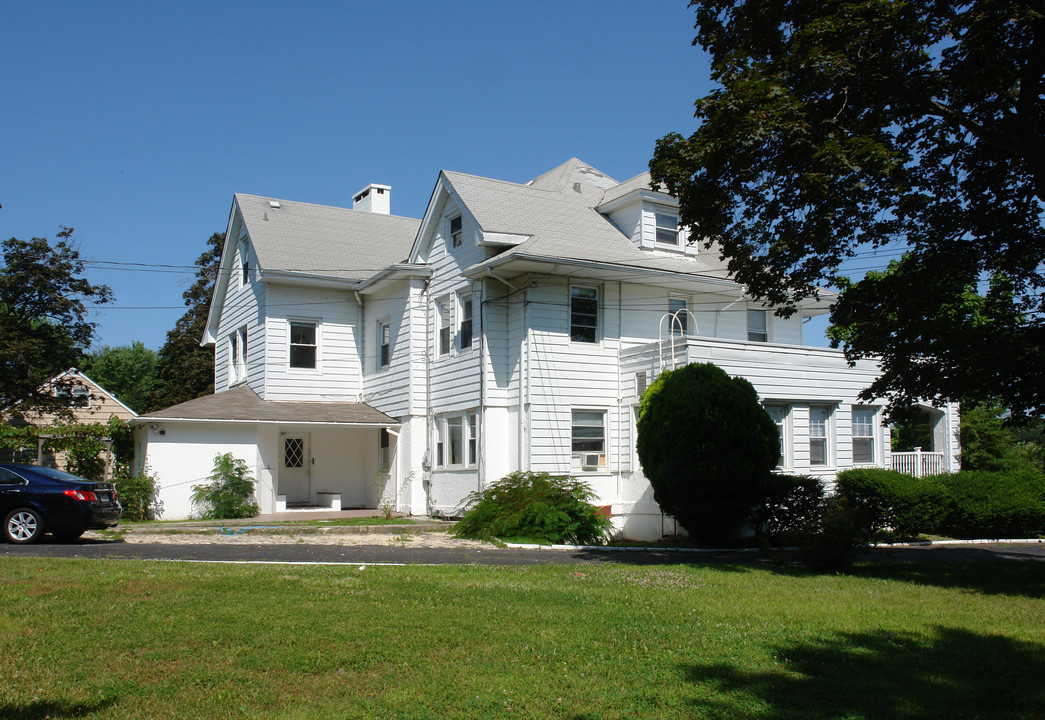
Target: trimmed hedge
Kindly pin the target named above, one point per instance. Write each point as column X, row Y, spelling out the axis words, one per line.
column 967, row 504
column 995, row 505
column 907, row 506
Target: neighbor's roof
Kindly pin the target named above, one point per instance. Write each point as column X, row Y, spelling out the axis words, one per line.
column 324, row 240
column 243, row 404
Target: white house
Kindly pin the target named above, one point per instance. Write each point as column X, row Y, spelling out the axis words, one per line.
column 363, row 358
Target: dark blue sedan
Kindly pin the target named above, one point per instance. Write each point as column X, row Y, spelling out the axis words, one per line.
column 35, row 500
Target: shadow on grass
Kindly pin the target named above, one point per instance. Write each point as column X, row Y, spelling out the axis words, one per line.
column 1024, row 579
column 40, row 709
column 888, row 676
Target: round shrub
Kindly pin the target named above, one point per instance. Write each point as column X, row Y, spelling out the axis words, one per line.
column 535, row 506
column 706, row 445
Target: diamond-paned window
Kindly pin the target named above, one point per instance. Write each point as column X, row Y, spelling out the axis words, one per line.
column 293, row 452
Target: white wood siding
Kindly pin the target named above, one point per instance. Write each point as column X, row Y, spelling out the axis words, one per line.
column 241, row 308
column 398, row 388
column 335, row 313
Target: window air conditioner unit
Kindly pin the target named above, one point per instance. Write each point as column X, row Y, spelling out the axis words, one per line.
column 590, row 461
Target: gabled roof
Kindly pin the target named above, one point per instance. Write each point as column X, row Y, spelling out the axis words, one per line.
column 241, row 404
column 298, row 237
column 557, row 213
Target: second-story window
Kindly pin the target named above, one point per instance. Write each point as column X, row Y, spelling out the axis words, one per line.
column 303, row 345
column 442, row 310
column 667, row 229
column 679, row 320
column 384, row 342
column 584, row 314
column 455, row 231
column 465, row 332
column 757, row 326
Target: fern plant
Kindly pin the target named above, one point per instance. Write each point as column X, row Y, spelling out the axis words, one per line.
column 537, row 506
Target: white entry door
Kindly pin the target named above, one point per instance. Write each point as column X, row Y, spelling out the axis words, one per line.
column 295, row 470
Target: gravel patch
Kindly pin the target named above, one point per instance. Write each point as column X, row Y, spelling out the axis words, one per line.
column 287, row 536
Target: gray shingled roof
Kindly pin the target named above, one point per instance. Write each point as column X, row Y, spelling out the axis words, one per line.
column 324, row 240
column 563, row 223
column 243, row 404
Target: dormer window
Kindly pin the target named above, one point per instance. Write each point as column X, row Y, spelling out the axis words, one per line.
column 667, row 229
column 455, row 231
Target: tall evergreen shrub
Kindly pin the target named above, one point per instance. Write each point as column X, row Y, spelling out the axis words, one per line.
column 707, row 446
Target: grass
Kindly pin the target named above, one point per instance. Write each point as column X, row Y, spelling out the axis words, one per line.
column 131, row 639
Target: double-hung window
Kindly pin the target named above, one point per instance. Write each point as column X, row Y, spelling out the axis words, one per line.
column 667, row 229
column 238, row 356
column 678, row 312
column 779, row 413
column 442, row 311
column 303, row 345
column 456, row 437
column 244, row 265
column 819, row 431
column 863, row 436
column 455, row 231
column 584, row 314
column 384, row 343
column 588, row 439
column 464, row 305
column 757, row 326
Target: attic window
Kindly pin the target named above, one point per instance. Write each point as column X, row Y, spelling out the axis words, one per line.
column 667, row 229
column 455, row 231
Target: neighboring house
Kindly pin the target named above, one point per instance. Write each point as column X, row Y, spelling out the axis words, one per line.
column 363, row 358
column 88, row 403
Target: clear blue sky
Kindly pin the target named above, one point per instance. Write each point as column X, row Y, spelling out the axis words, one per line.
column 135, row 122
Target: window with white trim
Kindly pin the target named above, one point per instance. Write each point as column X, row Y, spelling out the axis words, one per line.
column 757, row 326
column 456, row 435
column 667, row 228
column 819, row 435
column 442, row 314
column 456, row 231
column 384, row 343
column 588, row 439
column 584, row 314
column 244, row 265
column 303, row 346
column 679, row 316
column 780, row 416
column 464, row 309
column 384, row 446
column 238, row 356
column 74, row 395
column 863, row 436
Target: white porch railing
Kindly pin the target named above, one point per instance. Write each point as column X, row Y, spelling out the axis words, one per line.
column 918, row 463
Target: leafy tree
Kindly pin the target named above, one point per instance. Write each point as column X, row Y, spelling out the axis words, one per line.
column 128, row 372
column 43, row 318
column 185, row 369
column 849, row 127
column 707, row 447
column 991, row 443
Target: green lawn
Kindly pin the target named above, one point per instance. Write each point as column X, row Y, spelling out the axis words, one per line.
column 132, row 639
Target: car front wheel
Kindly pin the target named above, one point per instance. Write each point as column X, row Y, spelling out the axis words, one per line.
column 23, row 526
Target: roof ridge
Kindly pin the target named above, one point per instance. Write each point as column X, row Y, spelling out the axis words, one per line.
column 328, row 207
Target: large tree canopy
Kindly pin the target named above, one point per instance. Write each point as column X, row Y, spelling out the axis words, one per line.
column 184, row 369
column 128, row 372
column 43, row 318
column 843, row 127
